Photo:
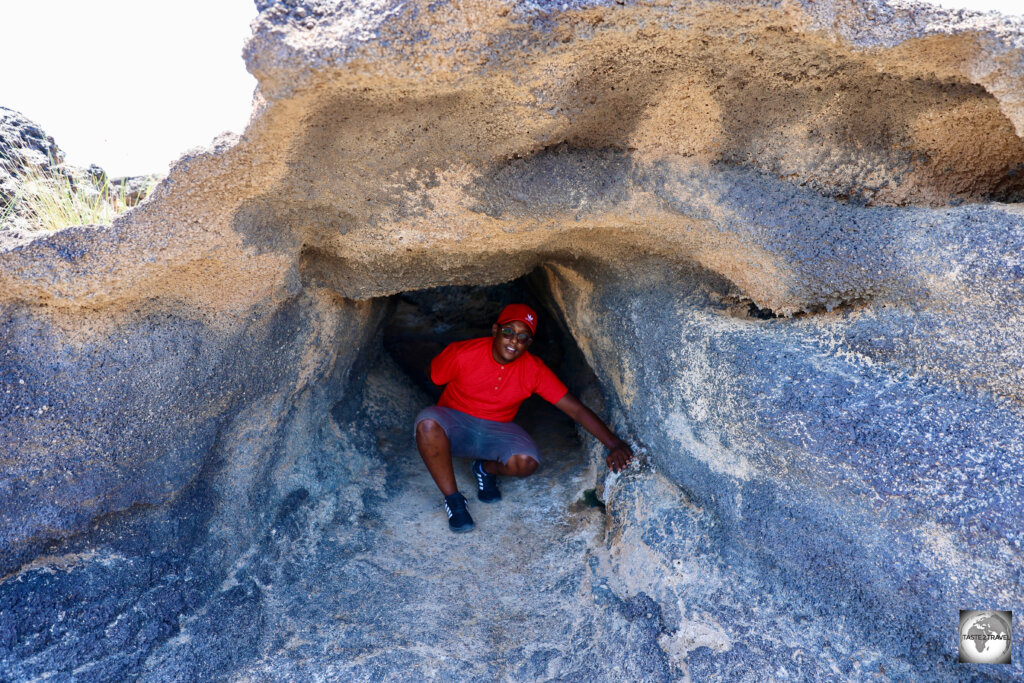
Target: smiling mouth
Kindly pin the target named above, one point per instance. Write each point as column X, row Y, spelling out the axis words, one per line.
column 510, row 349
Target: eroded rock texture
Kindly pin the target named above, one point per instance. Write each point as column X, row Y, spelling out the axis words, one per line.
column 785, row 237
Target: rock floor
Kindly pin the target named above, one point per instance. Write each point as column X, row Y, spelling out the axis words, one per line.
column 516, row 599
column 364, row 582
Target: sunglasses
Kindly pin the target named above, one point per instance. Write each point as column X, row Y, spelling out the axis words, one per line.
column 510, row 333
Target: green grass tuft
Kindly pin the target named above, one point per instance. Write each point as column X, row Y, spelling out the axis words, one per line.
column 6, row 209
column 55, row 201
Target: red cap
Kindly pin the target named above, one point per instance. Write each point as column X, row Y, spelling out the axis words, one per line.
column 520, row 312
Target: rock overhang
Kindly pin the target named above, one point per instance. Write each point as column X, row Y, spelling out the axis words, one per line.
column 540, row 132
column 420, row 138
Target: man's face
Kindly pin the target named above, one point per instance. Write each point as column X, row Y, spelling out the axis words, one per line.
column 506, row 348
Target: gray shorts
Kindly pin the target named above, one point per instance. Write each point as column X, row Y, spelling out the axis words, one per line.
column 474, row 437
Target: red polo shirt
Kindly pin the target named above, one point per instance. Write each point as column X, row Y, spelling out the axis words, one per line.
column 482, row 387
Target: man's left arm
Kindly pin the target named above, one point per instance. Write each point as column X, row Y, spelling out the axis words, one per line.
column 620, row 453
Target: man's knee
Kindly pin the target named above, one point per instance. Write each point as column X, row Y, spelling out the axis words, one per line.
column 522, row 465
column 429, row 429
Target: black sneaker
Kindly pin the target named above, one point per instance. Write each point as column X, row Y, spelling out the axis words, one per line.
column 459, row 520
column 486, row 484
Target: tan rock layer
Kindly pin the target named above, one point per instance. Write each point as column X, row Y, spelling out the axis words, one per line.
column 369, row 155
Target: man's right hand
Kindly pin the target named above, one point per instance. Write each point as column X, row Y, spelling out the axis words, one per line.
column 619, row 457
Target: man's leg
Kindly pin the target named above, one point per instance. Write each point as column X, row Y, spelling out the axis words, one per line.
column 436, row 452
column 437, row 431
column 517, row 466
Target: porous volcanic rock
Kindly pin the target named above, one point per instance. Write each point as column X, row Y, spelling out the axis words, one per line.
column 784, row 236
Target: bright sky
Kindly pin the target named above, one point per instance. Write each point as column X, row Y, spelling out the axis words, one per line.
column 131, row 84
column 127, row 84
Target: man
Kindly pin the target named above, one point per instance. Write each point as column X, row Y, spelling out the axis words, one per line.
column 486, row 380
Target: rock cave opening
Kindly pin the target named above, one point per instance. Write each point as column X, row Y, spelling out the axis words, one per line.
column 418, row 324
column 378, row 579
column 421, row 323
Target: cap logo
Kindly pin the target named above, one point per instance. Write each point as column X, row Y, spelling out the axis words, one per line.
column 529, row 318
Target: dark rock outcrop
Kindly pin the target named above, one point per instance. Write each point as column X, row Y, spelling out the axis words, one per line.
column 23, row 146
column 33, row 175
column 23, row 143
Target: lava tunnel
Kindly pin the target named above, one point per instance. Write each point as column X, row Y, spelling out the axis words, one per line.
column 776, row 248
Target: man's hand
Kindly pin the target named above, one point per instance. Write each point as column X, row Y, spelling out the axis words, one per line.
column 619, row 457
